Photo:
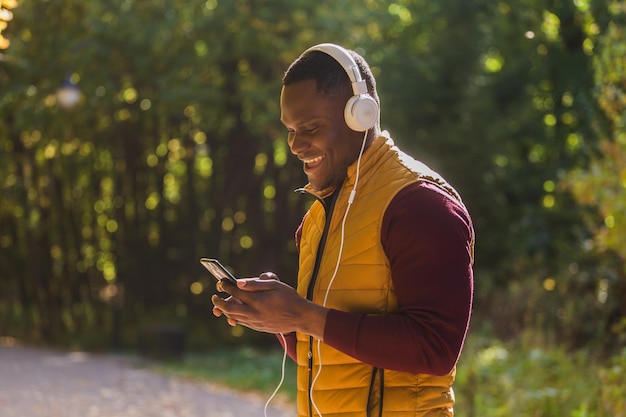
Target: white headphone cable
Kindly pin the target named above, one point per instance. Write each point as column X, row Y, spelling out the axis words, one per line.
column 282, row 374
column 332, row 279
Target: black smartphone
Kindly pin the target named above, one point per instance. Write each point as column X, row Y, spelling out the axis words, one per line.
column 218, row 270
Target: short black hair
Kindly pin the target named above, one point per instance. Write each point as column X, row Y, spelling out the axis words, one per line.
column 329, row 75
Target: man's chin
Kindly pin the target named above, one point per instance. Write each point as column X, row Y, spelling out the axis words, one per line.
column 315, row 187
column 327, row 184
column 320, row 188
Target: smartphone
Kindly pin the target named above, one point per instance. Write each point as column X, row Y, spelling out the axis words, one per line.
column 218, row 270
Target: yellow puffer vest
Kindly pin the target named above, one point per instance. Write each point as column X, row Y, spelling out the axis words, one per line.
column 345, row 386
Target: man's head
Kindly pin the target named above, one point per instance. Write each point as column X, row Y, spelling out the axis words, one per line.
column 316, row 88
column 337, row 70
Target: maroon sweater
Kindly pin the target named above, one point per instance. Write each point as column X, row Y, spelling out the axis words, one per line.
column 428, row 238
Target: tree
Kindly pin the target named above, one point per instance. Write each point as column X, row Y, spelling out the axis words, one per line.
column 175, row 151
column 603, row 183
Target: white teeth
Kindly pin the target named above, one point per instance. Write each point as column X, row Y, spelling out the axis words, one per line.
column 312, row 161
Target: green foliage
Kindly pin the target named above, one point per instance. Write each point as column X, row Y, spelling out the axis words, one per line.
column 612, row 390
column 518, row 379
column 244, row 370
column 604, row 182
column 102, row 190
column 174, row 151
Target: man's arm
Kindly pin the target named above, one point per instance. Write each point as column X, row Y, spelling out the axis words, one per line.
column 428, row 239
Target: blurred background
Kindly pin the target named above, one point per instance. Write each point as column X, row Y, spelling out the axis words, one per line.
column 138, row 136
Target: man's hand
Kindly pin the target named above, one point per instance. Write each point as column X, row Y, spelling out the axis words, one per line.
column 217, row 312
column 268, row 305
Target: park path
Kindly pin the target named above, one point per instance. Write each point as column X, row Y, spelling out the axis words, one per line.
column 47, row 383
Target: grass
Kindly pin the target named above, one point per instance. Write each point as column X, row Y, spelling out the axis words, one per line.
column 494, row 379
column 246, row 370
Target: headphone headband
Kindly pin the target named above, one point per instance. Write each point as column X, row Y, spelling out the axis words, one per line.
column 343, row 57
column 361, row 111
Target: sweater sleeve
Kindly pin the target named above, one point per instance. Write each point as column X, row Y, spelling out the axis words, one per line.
column 428, row 238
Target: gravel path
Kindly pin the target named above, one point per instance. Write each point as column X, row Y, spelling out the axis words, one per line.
column 44, row 383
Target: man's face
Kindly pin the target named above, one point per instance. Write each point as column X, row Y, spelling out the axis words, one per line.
column 318, row 134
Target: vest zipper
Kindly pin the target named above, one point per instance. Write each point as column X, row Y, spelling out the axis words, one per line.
column 328, row 208
column 378, row 377
column 310, row 371
column 382, row 392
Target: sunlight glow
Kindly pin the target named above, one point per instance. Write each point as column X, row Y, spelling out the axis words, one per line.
column 549, row 120
column 549, row 284
column 582, row 5
column 588, row 46
column 201, row 48
column 603, row 290
column 269, row 191
column 260, row 163
column 129, row 95
column 548, row 201
column 204, row 166
column 492, row 354
column 567, row 99
column 549, row 186
column 152, row 160
column 402, row 12
column 108, row 271
column 493, row 61
column 196, row 288
column 111, row 226
column 573, row 141
column 228, row 224
column 237, row 331
column 152, row 201
column 240, row 217
column 501, row 161
column 246, row 242
column 537, row 153
column 199, row 137
column 551, row 25
column 281, row 151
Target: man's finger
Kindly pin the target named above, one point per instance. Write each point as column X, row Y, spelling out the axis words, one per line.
column 256, row 284
column 268, row 275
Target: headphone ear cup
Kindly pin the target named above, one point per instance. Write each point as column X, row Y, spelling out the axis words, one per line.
column 361, row 112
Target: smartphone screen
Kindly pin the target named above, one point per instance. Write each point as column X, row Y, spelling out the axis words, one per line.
column 218, row 270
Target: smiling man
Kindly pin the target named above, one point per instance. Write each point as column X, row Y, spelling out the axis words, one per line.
column 385, row 282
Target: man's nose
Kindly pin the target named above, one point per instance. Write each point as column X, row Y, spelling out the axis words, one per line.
column 297, row 143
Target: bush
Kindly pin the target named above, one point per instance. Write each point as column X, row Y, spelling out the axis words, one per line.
column 497, row 380
column 613, row 387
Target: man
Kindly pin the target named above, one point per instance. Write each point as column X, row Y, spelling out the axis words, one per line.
column 385, row 278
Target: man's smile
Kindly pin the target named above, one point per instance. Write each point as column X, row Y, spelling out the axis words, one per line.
column 310, row 163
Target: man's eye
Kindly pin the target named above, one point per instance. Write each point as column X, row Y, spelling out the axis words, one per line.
column 311, row 130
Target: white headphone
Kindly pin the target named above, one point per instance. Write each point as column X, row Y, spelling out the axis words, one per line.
column 361, row 111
